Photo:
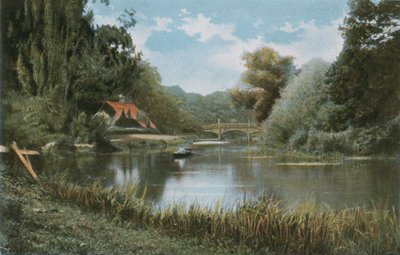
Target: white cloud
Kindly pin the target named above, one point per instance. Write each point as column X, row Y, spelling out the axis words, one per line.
column 230, row 57
column 140, row 35
column 223, row 64
column 220, row 66
column 314, row 41
column 162, row 24
column 288, row 28
column 183, row 12
column 324, row 42
column 206, row 29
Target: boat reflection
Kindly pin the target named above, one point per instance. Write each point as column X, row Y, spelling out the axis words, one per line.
column 181, row 163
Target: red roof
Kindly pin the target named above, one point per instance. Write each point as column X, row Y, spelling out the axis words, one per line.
column 130, row 111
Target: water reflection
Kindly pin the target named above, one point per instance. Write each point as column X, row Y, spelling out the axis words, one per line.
column 181, row 163
column 224, row 172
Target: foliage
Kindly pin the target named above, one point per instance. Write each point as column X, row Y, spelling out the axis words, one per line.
column 42, row 39
column 35, row 120
column 364, row 81
column 300, row 108
column 268, row 71
column 54, row 54
column 355, row 108
column 242, row 99
column 161, row 107
column 86, row 129
column 207, row 109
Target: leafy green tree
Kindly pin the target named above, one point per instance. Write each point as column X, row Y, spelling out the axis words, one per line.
column 269, row 72
column 242, row 99
column 42, row 38
column 109, row 68
column 162, row 108
column 56, row 60
column 301, row 108
column 365, row 79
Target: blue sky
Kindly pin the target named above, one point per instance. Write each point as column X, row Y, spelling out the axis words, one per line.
column 198, row 44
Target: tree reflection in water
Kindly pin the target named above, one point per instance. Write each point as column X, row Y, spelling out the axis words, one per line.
column 225, row 171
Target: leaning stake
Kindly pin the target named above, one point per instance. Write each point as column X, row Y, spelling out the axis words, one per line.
column 24, row 161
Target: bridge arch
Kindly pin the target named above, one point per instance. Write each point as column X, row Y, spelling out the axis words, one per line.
column 215, row 134
column 235, row 134
column 222, row 128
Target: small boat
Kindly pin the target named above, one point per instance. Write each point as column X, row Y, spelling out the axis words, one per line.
column 182, row 152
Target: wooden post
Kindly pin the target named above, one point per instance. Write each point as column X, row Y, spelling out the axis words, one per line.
column 219, row 129
column 24, row 161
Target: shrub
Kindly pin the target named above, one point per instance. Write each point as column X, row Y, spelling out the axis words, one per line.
column 320, row 141
column 32, row 121
column 298, row 109
column 79, row 128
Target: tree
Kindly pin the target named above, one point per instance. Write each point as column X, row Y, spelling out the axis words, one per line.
column 267, row 70
column 300, row 108
column 365, row 79
column 64, row 67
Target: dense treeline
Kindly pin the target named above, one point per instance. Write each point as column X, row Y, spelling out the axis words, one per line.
column 58, row 68
column 351, row 105
column 209, row 108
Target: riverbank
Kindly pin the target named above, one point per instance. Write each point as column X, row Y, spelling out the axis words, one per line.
column 36, row 221
column 60, row 217
column 129, row 142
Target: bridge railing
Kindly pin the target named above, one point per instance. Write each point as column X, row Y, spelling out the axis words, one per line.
column 231, row 126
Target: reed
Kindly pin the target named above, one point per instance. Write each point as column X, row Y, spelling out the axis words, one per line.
column 306, row 229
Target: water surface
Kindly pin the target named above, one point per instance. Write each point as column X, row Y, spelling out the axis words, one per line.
column 225, row 172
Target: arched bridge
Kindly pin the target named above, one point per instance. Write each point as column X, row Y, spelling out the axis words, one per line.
column 221, row 128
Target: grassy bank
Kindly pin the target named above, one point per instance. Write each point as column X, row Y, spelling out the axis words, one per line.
column 261, row 226
column 298, row 155
column 39, row 222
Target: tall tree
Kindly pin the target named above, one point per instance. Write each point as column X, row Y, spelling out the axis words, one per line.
column 365, row 79
column 269, row 73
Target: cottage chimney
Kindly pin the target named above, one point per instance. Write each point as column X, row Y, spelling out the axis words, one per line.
column 121, row 98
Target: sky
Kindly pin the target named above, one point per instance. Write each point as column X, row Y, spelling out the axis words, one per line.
column 199, row 44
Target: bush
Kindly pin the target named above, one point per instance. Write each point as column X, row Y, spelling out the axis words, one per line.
column 32, row 121
column 359, row 141
column 302, row 120
column 298, row 139
column 79, row 128
column 297, row 111
column 320, row 141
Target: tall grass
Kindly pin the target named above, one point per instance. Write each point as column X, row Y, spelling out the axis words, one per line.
column 266, row 223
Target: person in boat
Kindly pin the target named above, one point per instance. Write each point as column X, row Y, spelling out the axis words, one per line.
column 181, row 149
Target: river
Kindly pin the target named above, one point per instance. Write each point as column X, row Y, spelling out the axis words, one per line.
column 226, row 172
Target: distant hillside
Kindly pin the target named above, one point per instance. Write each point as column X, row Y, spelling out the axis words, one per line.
column 206, row 109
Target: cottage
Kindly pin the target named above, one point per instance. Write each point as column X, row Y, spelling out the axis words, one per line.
column 126, row 115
